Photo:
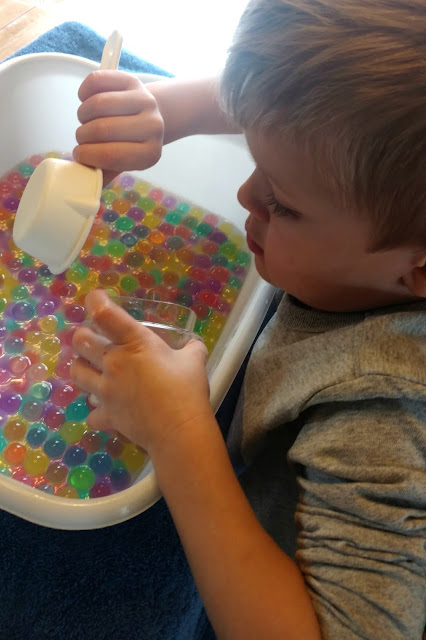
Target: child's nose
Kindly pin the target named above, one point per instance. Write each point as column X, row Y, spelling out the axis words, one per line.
column 249, row 199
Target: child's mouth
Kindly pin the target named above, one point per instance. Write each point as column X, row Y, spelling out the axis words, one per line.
column 253, row 246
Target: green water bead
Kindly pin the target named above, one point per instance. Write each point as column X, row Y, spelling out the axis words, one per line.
column 235, row 282
column 173, row 218
column 41, row 390
column 123, row 223
column 115, row 249
column 147, row 204
column 242, row 258
column 3, row 442
column 109, row 196
column 219, row 260
column 203, row 229
column 183, row 207
column 136, row 313
column 3, row 303
column 77, row 410
column 72, row 432
column 175, row 242
column 190, row 222
column 26, row 169
column 158, row 275
column 26, row 260
column 134, row 259
column 5, row 471
column 76, row 273
column 19, row 293
column 81, row 478
column 98, row 249
column 129, row 284
column 228, row 249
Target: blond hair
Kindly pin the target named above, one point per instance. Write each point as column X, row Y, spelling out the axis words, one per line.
column 348, row 79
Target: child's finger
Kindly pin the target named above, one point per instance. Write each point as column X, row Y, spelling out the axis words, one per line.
column 112, row 104
column 86, row 377
column 118, row 156
column 101, row 81
column 90, row 346
column 115, row 323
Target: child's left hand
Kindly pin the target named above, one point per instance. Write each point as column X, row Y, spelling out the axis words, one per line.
column 146, row 390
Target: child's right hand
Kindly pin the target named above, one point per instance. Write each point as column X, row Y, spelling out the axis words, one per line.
column 121, row 125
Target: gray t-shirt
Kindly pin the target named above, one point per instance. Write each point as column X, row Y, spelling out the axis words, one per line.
column 331, row 425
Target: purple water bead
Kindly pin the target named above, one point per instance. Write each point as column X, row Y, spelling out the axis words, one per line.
column 27, row 276
column 126, row 181
column 11, row 203
column 218, row 236
column 239, row 270
column 135, row 213
column 192, row 286
column 45, row 308
column 22, row 311
column 120, row 479
column 213, row 285
column 74, row 313
column 10, row 402
column 169, row 202
column 202, row 260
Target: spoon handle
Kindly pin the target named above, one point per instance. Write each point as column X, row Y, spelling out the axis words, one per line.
column 112, row 51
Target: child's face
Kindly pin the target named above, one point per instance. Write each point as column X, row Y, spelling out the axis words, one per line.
column 307, row 245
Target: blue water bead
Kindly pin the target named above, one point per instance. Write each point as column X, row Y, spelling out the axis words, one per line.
column 37, row 435
column 110, row 216
column 74, row 456
column 101, row 463
column 120, row 479
column 129, row 239
column 54, row 447
column 46, row 488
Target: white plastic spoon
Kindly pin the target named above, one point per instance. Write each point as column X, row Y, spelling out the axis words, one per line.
column 61, row 199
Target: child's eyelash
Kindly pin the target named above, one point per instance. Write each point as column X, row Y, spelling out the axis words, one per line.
column 279, row 208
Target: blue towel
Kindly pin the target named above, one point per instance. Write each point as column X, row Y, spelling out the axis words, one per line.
column 126, row 582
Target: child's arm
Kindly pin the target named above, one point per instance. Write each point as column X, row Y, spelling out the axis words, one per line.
column 124, row 124
column 159, row 398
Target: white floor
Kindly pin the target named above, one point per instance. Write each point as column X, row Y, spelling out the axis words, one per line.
column 185, row 37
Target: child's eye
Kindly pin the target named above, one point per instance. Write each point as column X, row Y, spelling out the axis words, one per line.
column 279, row 208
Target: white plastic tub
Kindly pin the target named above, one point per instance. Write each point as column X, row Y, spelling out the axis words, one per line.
column 38, row 114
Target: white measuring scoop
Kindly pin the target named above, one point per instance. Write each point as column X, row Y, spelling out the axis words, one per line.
column 61, row 199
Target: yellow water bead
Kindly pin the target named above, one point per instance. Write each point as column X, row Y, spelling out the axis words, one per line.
column 72, row 432
column 151, row 220
column 48, row 324
column 33, row 338
column 50, row 364
column 229, row 293
column 52, row 154
column 67, row 492
column 142, row 187
column 196, row 212
column 36, row 462
column 51, row 345
column 236, row 239
column 133, row 457
column 227, row 228
column 15, row 428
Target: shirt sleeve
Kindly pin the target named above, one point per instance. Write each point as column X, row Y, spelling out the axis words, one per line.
column 361, row 517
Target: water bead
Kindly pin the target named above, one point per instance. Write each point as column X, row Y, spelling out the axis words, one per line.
column 28, row 276
column 11, row 203
column 129, row 239
column 100, row 490
column 141, row 231
column 77, row 410
column 15, row 453
column 35, row 462
column 41, row 391
column 183, row 207
column 229, row 293
column 223, row 306
column 151, row 221
column 114, row 446
column 134, row 260
column 91, row 441
column 228, row 249
column 184, row 298
column 67, row 492
column 74, row 313
column 213, row 285
column 45, row 487
column 101, row 463
column 115, row 249
column 56, row 473
column 208, row 297
column 201, row 310
column 219, row 273
column 3, row 303
column 235, row 282
column 54, row 447
column 4, row 376
column 160, row 255
column 37, row 435
column 81, row 478
column 32, row 410
column 26, row 169
column 129, row 284
column 15, row 428
column 22, row 311
column 108, row 196
column 20, row 475
column 10, row 402
column 123, row 223
column 239, row 271
column 19, row 292
column 74, row 456
column 54, row 417
column 18, row 365
column 51, row 345
column 36, row 372
column 218, row 237
column 120, row 479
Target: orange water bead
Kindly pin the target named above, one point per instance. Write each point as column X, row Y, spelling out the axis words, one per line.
column 156, row 237
column 120, row 205
column 15, row 428
column 185, row 255
column 170, row 278
column 109, row 278
column 15, row 452
column 144, row 247
column 159, row 255
column 5, row 214
column 101, row 234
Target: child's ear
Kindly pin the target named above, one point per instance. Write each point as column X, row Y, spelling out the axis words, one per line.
column 415, row 279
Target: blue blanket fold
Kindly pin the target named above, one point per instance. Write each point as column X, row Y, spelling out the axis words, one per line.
column 126, row 582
